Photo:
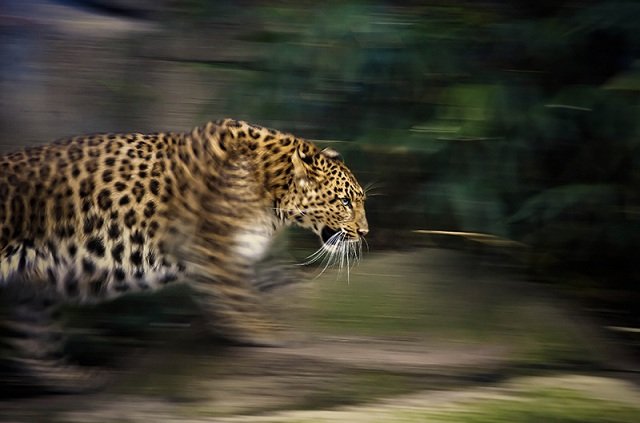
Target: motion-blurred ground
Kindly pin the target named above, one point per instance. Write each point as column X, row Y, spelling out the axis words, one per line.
column 411, row 336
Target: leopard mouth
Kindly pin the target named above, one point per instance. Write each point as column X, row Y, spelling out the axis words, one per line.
column 327, row 233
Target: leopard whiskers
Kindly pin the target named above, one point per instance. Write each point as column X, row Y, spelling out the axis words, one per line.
column 339, row 251
column 370, row 188
column 366, row 244
column 326, row 250
column 350, row 253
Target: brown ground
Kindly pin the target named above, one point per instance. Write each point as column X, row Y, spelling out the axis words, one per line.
column 408, row 331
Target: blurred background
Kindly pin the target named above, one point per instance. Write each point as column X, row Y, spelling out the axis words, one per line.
column 501, row 140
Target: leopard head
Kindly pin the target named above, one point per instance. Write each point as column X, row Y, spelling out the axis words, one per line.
column 325, row 197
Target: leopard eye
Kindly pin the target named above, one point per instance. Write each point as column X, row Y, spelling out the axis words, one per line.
column 346, row 202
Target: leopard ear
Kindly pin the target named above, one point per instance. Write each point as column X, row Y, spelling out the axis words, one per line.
column 331, row 153
column 301, row 161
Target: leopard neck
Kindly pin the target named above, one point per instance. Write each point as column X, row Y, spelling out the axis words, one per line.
column 268, row 151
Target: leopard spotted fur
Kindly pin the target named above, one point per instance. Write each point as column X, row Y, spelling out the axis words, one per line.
column 91, row 218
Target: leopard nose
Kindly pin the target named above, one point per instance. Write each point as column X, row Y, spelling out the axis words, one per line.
column 363, row 231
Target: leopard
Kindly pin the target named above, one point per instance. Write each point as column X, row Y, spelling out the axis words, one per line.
column 88, row 219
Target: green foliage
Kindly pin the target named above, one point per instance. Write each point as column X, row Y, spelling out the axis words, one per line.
column 524, row 114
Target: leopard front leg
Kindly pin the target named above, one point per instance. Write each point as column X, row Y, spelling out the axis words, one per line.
column 234, row 309
column 36, row 344
column 223, row 239
column 272, row 275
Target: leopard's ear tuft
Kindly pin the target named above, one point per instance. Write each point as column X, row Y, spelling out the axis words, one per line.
column 331, row 153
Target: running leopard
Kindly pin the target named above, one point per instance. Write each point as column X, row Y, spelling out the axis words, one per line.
column 91, row 218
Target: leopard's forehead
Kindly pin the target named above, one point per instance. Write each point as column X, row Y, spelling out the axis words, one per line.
column 340, row 175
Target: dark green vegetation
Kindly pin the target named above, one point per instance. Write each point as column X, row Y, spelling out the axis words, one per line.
column 517, row 119
column 512, row 118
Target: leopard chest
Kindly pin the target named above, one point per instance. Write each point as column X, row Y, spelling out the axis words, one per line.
column 252, row 242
